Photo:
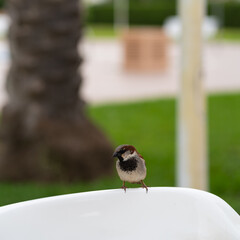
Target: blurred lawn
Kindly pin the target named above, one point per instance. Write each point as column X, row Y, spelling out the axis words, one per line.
column 150, row 126
column 101, row 31
column 108, row 32
column 230, row 35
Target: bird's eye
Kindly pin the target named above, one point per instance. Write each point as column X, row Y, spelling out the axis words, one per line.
column 123, row 151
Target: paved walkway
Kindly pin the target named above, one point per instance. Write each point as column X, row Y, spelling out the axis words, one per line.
column 105, row 81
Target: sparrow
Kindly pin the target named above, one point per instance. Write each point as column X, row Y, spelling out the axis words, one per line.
column 130, row 165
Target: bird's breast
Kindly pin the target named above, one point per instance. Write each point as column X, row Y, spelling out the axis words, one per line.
column 131, row 171
column 129, row 165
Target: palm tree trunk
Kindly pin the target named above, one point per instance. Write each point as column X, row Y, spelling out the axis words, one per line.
column 45, row 134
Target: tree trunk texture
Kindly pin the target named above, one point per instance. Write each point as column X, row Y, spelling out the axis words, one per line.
column 45, row 134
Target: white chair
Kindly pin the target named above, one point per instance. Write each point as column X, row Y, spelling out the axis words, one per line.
column 162, row 213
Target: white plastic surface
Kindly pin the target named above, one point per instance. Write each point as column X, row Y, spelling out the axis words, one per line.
column 163, row 213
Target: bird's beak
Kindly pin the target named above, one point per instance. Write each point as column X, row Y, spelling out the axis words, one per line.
column 115, row 154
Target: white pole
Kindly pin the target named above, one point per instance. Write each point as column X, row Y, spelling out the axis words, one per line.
column 192, row 157
column 121, row 14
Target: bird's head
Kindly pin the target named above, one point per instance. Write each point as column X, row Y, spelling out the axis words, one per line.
column 124, row 152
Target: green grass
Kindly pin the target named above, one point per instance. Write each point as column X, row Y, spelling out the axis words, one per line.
column 101, row 31
column 228, row 35
column 108, row 32
column 150, row 126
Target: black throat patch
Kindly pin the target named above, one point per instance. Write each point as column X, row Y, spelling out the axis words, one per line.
column 129, row 165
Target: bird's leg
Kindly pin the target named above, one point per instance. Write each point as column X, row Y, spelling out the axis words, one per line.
column 144, row 185
column 123, row 186
column 141, row 182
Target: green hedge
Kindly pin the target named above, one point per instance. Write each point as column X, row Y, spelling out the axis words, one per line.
column 232, row 15
column 1, row 3
column 100, row 14
column 146, row 13
column 155, row 12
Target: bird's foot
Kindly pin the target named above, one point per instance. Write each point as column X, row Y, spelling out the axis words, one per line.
column 144, row 186
column 124, row 188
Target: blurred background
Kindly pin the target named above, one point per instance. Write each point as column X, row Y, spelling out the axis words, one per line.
column 60, row 122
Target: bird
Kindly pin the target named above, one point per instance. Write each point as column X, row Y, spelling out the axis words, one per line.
column 130, row 165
